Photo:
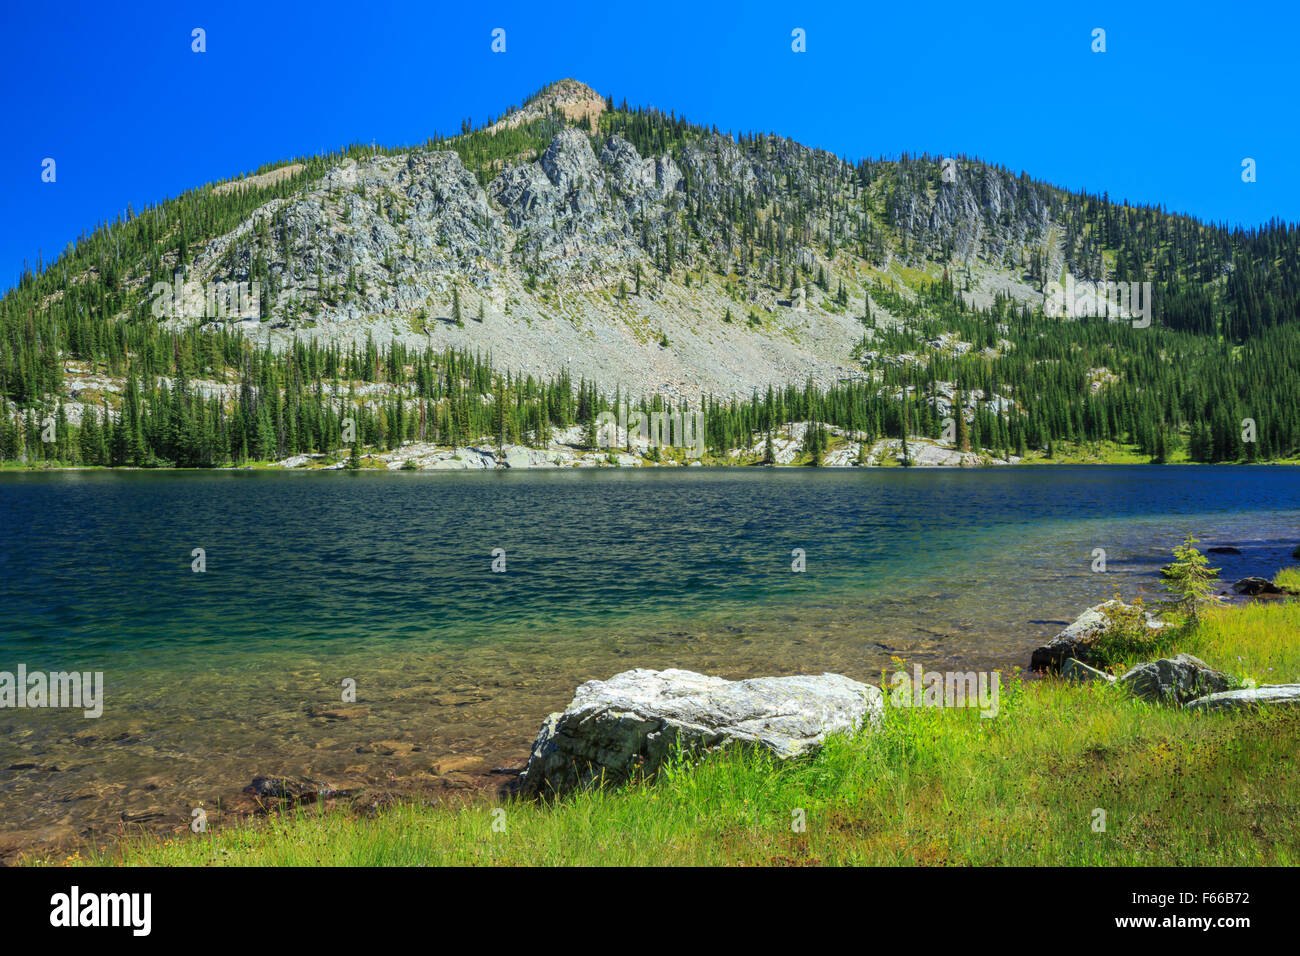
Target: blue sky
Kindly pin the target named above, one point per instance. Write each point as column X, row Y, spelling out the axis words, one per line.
column 1183, row 93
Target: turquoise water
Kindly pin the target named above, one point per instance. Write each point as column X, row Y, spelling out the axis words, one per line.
column 385, row 579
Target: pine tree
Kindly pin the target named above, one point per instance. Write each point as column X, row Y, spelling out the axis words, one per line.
column 1189, row 580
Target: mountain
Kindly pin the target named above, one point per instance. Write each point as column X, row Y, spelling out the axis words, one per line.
column 638, row 255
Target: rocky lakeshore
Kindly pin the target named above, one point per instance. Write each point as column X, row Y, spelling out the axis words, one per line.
column 631, row 723
column 569, row 448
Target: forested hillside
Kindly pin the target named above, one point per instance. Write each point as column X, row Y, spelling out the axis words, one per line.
column 538, row 268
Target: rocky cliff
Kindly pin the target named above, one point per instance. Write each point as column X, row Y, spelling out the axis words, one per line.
column 714, row 265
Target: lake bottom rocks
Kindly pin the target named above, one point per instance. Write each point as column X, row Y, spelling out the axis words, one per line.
column 280, row 792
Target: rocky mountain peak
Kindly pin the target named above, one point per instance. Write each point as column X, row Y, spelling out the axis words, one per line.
column 578, row 103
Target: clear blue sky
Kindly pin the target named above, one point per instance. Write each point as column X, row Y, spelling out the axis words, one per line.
column 1166, row 115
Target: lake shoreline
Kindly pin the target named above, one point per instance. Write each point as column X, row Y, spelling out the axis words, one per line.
column 1169, row 751
column 478, row 783
column 29, row 468
column 570, row 448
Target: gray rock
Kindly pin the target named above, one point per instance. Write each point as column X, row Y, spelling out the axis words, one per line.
column 633, row 721
column 1268, row 695
column 517, row 457
column 1174, row 680
column 1077, row 639
column 625, row 165
column 1080, row 673
column 569, row 161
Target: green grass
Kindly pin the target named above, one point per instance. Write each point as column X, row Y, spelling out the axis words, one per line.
column 1095, row 453
column 1115, row 453
column 1288, row 578
column 927, row 787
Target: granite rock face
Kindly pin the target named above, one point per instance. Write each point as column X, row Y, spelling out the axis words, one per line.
column 583, row 246
column 632, row 722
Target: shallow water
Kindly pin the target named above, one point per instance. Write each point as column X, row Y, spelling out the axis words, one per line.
column 385, row 579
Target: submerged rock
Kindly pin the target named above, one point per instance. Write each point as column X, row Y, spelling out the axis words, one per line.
column 1078, row 638
column 1269, row 695
column 632, row 722
column 1253, row 586
column 1223, row 549
column 290, row 791
column 1174, row 680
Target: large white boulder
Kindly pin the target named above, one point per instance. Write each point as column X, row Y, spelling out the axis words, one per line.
column 630, row 723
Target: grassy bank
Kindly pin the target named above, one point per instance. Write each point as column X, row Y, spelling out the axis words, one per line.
column 929, row 786
column 1115, row 453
